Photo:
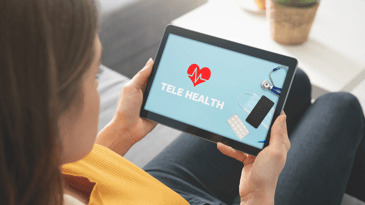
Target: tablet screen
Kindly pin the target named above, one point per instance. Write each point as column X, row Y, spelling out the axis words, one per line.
column 215, row 89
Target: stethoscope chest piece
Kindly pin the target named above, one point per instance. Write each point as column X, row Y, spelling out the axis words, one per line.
column 266, row 84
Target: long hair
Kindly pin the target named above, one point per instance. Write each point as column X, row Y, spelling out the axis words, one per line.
column 45, row 48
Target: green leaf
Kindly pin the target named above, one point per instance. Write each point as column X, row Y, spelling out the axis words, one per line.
column 296, row 3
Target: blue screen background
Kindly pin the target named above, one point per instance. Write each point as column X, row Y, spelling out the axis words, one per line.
column 231, row 74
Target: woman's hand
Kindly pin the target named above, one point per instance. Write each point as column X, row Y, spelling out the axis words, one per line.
column 260, row 175
column 126, row 128
column 129, row 106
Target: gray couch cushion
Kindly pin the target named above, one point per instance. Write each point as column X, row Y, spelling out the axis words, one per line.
column 349, row 200
column 110, row 85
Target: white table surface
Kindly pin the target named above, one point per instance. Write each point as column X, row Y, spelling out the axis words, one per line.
column 333, row 57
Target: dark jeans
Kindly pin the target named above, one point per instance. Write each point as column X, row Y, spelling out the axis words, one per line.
column 324, row 139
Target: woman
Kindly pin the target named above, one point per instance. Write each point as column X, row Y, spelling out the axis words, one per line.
column 49, row 107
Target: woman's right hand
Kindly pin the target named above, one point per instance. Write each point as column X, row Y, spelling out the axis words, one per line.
column 260, row 174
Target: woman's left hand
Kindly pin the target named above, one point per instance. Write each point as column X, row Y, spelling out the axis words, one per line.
column 129, row 106
column 260, row 174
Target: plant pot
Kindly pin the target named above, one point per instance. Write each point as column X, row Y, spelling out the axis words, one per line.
column 290, row 25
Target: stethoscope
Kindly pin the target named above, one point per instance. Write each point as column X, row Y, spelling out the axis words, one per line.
column 267, row 86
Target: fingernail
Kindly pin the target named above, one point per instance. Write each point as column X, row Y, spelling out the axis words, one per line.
column 149, row 61
column 283, row 119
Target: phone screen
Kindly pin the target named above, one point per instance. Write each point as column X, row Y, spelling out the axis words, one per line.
column 259, row 111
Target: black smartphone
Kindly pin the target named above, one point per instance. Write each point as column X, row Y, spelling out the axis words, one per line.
column 259, row 112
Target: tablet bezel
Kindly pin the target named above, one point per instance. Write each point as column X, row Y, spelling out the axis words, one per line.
column 240, row 48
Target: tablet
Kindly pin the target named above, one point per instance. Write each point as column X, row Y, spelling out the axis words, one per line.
column 217, row 89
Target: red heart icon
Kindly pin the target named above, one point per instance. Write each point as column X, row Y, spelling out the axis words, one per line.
column 198, row 75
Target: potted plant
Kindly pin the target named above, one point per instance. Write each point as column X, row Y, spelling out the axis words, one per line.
column 291, row 20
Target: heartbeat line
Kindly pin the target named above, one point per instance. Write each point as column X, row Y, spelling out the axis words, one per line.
column 196, row 78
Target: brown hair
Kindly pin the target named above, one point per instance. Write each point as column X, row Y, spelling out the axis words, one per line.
column 46, row 47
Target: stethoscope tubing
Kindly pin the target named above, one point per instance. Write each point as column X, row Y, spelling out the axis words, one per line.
column 274, row 89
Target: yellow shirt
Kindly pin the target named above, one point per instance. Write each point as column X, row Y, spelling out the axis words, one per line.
column 108, row 178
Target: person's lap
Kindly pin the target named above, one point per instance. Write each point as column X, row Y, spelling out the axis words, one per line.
column 323, row 145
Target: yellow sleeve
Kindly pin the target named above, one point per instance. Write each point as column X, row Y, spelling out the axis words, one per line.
column 119, row 181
